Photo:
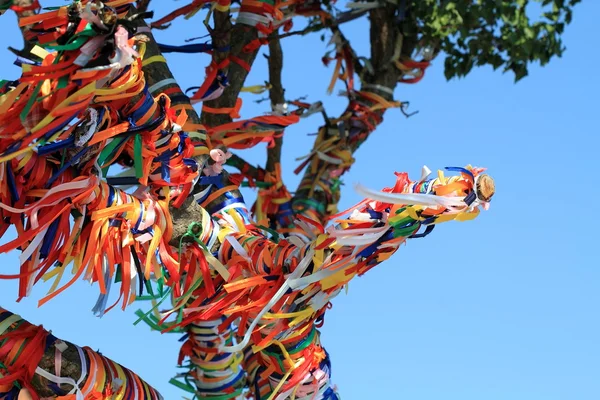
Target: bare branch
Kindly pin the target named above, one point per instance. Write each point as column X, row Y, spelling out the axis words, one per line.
column 26, row 5
column 343, row 18
column 277, row 97
column 142, row 5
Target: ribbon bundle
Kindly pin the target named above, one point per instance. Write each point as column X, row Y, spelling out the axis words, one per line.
column 22, row 347
column 250, row 295
column 64, row 124
column 279, row 288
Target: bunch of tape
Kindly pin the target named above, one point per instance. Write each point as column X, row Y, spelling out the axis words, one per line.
column 93, row 163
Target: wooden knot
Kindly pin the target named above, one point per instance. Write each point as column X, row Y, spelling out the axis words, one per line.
column 485, row 187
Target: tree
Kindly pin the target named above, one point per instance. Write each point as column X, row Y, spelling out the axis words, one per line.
column 248, row 295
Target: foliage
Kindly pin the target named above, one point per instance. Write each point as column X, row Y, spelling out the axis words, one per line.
column 493, row 32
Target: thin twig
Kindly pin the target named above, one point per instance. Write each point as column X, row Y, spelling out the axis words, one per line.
column 346, row 43
column 343, row 18
column 142, row 5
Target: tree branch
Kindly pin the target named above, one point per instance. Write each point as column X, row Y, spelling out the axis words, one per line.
column 27, row 45
column 343, row 18
column 246, row 168
column 319, row 188
column 155, row 73
column 276, row 95
column 240, row 36
column 221, row 34
column 41, row 349
column 158, row 72
column 142, row 5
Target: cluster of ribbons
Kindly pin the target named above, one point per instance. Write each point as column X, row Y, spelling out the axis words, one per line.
column 278, row 286
column 81, row 107
column 273, row 203
column 331, row 155
column 214, row 374
column 268, row 13
column 249, row 295
column 244, row 134
column 264, row 15
column 258, row 14
column 22, row 346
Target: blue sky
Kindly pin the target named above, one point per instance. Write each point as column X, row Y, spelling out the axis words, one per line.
column 504, row 307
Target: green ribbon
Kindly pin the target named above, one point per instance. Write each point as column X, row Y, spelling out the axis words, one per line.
column 137, row 156
column 118, row 274
column 160, row 286
column 194, row 235
column 303, row 345
column 274, row 234
column 311, row 203
column 149, row 288
column 398, row 228
column 63, row 82
column 108, row 151
column 148, row 320
column 30, row 102
column 144, row 316
column 76, row 41
column 259, row 184
column 336, row 184
column 183, row 386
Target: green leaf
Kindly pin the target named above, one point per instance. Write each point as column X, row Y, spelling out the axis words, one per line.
column 520, row 71
column 449, row 69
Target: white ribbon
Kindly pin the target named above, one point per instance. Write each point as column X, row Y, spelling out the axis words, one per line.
column 68, row 381
column 300, row 269
column 410, row 198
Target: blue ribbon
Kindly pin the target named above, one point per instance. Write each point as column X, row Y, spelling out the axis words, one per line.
column 460, row 169
column 56, row 146
column 48, row 237
column 72, row 160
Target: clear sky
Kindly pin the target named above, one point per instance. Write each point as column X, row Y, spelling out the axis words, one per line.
column 501, row 308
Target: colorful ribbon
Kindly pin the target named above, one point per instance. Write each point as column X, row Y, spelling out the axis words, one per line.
column 92, row 164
